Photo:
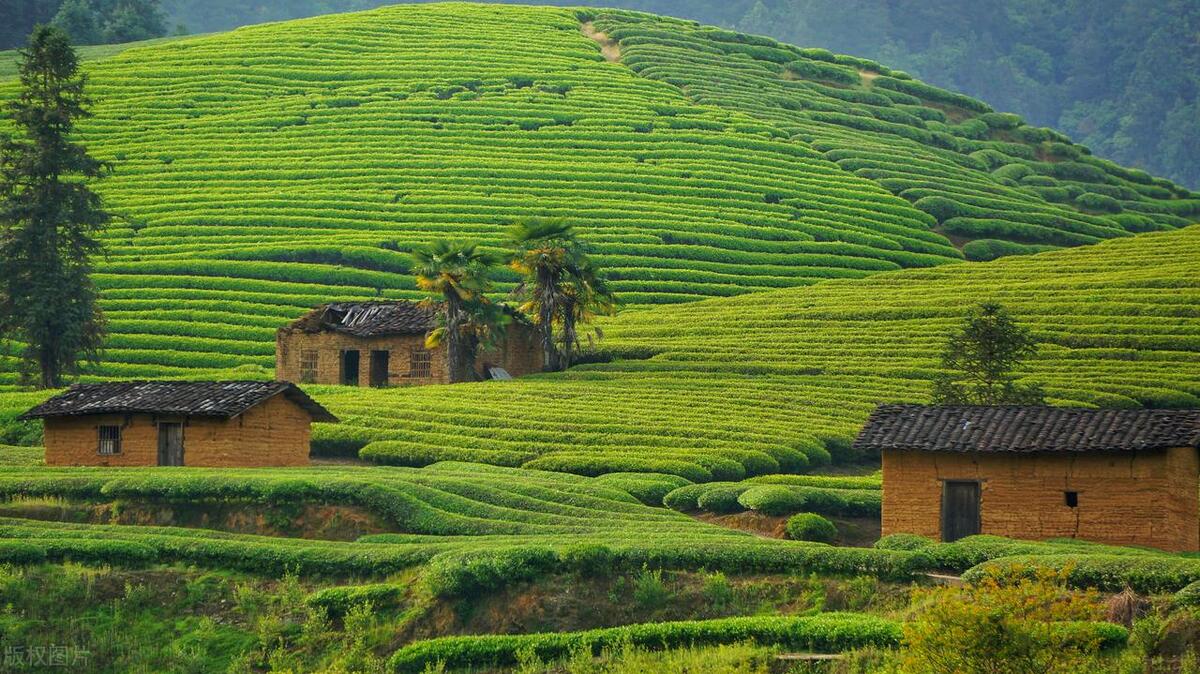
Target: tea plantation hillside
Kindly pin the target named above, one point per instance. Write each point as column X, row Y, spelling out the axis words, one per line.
column 263, row 171
column 777, row 381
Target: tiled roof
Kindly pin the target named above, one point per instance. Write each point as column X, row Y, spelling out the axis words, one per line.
column 369, row 319
column 184, row 398
column 1027, row 429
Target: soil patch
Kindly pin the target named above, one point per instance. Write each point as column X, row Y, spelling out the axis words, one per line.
column 608, row 47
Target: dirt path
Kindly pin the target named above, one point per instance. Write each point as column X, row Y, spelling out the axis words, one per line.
column 609, row 48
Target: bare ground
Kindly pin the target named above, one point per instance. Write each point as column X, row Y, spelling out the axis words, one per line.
column 608, row 47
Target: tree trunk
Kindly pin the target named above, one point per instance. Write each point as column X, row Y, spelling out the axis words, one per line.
column 454, row 340
column 545, row 290
column 50, row 375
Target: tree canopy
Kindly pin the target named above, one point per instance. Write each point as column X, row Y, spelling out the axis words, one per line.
column 49, row 217
column 980, row 359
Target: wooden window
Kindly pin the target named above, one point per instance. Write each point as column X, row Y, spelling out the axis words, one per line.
column 110, row 440
column 1071, row 498
column 420, row 363
column 308, row 366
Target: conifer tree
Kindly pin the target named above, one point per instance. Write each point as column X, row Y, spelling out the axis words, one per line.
column 980, row 358
column 49, row 217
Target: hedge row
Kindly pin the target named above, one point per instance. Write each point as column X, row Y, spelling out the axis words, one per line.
column 826, row 633
column 773, row 498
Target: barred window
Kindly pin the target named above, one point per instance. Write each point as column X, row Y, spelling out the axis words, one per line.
column 420, row 364
column 110, row 440
column 308, row 366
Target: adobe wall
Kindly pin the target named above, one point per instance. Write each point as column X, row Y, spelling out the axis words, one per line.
column 1150, row 498
column 329, row 347
column 519, row 355
column 274, row 433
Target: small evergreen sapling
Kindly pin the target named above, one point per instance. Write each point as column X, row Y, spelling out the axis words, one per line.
column 980, row 358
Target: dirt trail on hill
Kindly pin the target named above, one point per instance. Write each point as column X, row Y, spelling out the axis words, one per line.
column 609, row 48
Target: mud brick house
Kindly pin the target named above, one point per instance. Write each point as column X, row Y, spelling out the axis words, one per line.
column 173, row 423
column 383, row 344
column 1124, row 477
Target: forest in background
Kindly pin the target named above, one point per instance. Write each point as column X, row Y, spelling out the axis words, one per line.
column 1120, row 76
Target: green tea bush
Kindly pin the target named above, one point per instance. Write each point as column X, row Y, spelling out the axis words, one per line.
column 1098, row 202
column 910, row 542
column 1187, row 596
column 339, row 600
column 811, row 527
column 721, row 500
column 830, row 632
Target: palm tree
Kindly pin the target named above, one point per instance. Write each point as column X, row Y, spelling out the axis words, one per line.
column 544, row 252
column 588, row 296
column 459, row 274
column 562, row 286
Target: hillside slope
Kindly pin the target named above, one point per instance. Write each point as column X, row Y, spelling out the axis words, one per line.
column 267, row 170
column 741, row 385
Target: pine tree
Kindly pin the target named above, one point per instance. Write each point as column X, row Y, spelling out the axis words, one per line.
column 49, row 217
column 980, row 359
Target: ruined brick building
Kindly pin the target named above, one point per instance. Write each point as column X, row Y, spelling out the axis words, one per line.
column 1124, row 477
column 179, row 423
column 383, row 344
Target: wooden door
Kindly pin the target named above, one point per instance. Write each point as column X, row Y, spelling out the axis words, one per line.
column 170, row 444
column 350, row 368
column 960, row 510
column 380, row 368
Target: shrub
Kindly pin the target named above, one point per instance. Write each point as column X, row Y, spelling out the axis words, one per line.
column 338, row 601
column 816, row 70
column 773, row 499
column 904, row 542
column 721, row 500
column 1098, row 202
column 1030, row 623
column 1188, row 596
column 811, row 527
column 986, row 250
column 1143, row 573
column 830, row 632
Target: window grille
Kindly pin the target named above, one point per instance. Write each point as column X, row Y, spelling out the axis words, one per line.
column 308, row 366
column 420, row 364
column 110, row 440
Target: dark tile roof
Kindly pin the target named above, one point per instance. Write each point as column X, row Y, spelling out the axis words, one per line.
column 369, row 319
column 185, row 398
column 1027, row 429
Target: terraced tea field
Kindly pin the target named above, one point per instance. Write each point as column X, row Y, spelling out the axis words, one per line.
column 990, row 181
column 263, row 171
column 773, row 381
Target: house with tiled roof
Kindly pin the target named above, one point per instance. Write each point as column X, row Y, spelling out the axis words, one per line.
column 1123, row 477
column 383, row 344
column 179, row 423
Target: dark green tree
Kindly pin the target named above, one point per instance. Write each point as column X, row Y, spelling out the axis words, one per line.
column 980, row 358
column 49, row 217
column 132, row 20
column 78, row 19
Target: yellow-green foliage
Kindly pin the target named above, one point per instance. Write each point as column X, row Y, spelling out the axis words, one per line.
column 262, row 171
column 780, row 372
